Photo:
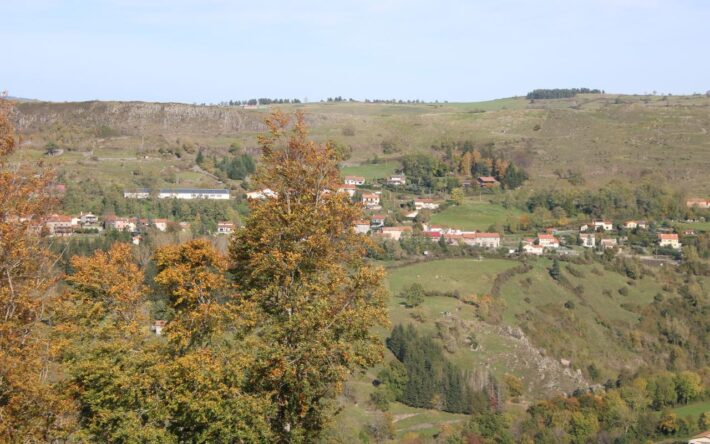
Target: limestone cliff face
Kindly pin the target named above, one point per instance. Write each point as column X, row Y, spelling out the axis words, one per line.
column 130, row 118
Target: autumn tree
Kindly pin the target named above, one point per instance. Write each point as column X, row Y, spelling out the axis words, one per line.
column 29, row 410
column 301, row 265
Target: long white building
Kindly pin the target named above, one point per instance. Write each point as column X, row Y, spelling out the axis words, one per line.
column 180, row 193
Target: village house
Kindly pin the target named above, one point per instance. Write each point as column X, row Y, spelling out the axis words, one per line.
column 348, row 188
column 701, row 438
column 547, row 241
column 428, row 204
column 354, row 180
column 605, row 225
column 60, row 225
column 396, row 180
column 225, row 227
column 589, row 240
column 140, row 193
column 487, row 182
column 194, row 193
column 608, row 243
column 668, row 240
column 361, row 226
column 697, row 203
column 371, row 200
column 261, row 194
column 486, row 240
column 533, row 249
column 377, row 220
column 395, row 233
column 118, row 223
column 634, row 224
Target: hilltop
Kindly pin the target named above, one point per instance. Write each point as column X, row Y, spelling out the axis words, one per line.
column 598, row 137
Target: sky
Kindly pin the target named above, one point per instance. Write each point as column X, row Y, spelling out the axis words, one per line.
column 209, row 51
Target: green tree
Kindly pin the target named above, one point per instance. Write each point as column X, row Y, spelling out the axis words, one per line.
column 457, row 196
column 555, row 272
column 300, row 264
column 413, row 295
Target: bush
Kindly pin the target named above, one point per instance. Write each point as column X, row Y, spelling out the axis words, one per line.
column 624, row 291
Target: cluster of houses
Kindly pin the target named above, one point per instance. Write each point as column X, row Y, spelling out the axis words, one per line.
column 179, row 193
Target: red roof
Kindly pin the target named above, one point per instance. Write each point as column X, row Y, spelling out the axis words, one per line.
column 487, row 179
column 546, row 236
column 59, row 218
column 361, row 222
column 347, row 186
column 396, row 228
column 370, row 196
column 433, row 234
column 668, row 236
column 378, row 217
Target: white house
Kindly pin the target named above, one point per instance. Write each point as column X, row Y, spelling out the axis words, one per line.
column 633, row 224
column 225, row 227
column 547, row 241
column 160, row 224
column 361, row 226
column 261, row 194
column 354, row 180
column 371, row 200
column 605, row 225
column 425, row 204
column 194, row 193
column 397, row 179
column 536, row 250
column 589, row 240
column 348, row 188
column 486, row 240
column 668, row 240
column 140, row 193
column 395, row 233
column 701, row 438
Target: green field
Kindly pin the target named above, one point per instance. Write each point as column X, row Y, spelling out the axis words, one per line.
column 474, row 215
column 694, row 409
column 371, row 171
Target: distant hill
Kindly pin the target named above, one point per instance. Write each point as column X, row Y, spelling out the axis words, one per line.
column 598, row 137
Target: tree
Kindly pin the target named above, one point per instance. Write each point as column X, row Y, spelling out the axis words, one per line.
column 688, row 386
column 29, row 409
column 457, row 196
column 413, row 295
column 302, row 267
column 555, row 272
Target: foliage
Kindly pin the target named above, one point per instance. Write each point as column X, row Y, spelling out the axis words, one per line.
column 559, row 93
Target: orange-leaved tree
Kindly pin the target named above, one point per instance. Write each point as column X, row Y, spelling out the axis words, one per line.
column 29, row 409
column 301, row 264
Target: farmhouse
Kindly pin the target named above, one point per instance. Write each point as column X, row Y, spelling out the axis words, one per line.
column 261, row 194
column 668, row 240
column 194, row 193
column 697, row 203
column 354, row 180
column 486, row 240
column 547, row 241
column 396, row 180
column 361, row 226
column 701, row 438
column 225, row 227
column 348, row 188
column 589, row 240
column 487, row 182
column 371, row 200
column 395, row 233
column 140, row 193
column 425, row 204
column 605, row 225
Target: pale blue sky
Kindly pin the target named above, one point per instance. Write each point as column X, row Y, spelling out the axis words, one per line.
column 213, row 50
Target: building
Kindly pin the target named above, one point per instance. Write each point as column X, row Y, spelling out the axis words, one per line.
column 425, row 204
column 158, row 326
column 487, row 182
column 261, row 194
column 668, row 240
column 485, row 240
column 433, row 235
column 119, row 223
column 60, row 225
column 547, row 241
column 225, row 227
column 584, row 227
column 377, row 220
column 371, row 200
column 396, row 180
column 533, row 249
column 589, row 240
column 354, row 180
column 395, row 233
column 697, row 203
column 160, row 224
column 608, row 243
column 194, row 193
column 88, row 219
column 605, row 225
column 140, row 193
column 701, row 438
column 361, row 226
column 634, row 224
column 348, row 188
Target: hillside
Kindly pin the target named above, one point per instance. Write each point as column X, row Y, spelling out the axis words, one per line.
column 601, row 137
